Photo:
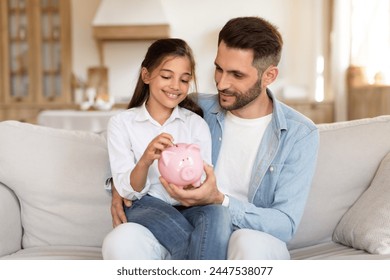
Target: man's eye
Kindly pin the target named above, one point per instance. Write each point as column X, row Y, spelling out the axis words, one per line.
column 238, row 75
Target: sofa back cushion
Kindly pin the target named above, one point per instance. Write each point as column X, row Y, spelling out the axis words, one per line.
column 11, row 227
column 58, row 177
column 349, row 156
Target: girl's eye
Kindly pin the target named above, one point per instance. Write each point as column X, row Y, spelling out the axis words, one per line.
column 185, row 81
column 165, row 77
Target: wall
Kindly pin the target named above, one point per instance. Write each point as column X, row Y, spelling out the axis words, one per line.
column 84, row 48
column 198, row 22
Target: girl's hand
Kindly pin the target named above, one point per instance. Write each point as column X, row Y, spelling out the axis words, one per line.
column 155, row 147
column 152, row 152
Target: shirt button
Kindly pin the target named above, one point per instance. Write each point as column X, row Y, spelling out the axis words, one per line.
column 271, row 169
column 220, row 138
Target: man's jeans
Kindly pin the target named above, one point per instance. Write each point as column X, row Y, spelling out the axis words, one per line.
column 199, row 232
column 131, row 241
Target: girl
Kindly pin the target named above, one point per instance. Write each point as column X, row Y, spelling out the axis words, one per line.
column 160, row 113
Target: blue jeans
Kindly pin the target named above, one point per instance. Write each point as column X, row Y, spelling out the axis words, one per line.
column 199, row 232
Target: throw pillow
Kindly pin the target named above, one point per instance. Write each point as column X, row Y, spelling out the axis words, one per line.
column 58, row 176
column 366, row 225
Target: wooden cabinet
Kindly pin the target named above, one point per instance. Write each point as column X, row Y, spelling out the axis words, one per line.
column 35, row 57
column 368, row 101
column 318, row 112
column 22, row 114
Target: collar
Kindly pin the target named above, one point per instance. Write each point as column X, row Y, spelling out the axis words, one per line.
column 143, row 114
column 279, row 119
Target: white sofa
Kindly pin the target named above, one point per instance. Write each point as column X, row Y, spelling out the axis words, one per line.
column 53, row 204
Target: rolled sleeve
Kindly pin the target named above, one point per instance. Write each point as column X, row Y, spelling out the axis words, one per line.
column 122, row 160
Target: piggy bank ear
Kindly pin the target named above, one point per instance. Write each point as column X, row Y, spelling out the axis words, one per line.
column 193, row 147
column 166, row 157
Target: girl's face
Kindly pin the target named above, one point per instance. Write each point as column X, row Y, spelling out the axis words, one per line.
column 169, row 82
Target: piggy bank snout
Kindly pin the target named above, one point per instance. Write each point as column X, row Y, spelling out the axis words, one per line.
column 188, row 173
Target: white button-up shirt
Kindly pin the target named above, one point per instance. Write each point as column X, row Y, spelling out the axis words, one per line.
column 131, row 131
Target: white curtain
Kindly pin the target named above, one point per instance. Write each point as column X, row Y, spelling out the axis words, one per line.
column 370, row 38
column 360, row 37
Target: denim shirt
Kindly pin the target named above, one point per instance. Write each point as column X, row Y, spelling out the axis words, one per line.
column 282, row 172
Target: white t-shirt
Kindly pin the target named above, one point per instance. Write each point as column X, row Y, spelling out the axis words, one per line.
column 131, row 131
column 240, row 141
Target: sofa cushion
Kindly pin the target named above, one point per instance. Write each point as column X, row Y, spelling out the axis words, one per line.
column 11, row 227
column 57, row 253
column 58, row 177
column 333, row 251
column 349, row 155
column 366, row 225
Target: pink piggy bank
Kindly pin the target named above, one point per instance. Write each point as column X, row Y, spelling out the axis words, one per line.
column 181, row 165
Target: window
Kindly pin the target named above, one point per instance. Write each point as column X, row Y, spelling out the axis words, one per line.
column 370, row 39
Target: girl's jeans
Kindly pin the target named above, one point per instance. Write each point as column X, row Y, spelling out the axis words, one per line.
column 199, row 232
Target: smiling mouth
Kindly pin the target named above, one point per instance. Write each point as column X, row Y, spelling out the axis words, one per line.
column 226, row 97
column 172, row 95
column 226, row 94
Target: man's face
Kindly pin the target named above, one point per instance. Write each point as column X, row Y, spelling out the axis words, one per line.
column 236, row 78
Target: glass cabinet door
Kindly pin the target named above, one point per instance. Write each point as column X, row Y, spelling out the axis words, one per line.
column 19, row 38
column 54, row 44
column 50, row 28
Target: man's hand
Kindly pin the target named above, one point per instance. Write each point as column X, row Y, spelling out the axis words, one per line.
column 207, row 193
column 117, row 210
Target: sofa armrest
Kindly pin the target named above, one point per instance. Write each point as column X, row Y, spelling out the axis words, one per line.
column 10, row 221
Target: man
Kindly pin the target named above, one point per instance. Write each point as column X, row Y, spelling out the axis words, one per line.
column 264, row 153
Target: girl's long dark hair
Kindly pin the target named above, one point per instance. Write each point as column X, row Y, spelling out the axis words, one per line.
column 155, row 55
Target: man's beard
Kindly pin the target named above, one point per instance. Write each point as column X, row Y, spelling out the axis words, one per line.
column 242, row 99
